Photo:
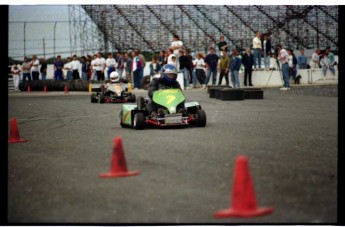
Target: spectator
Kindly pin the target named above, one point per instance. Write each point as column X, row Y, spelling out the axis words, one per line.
column 34, row 68
column 326, row 64
column 100, row 66
column 58, row 66
column 176, row 45
column 15, row 70
column 68, row 67
column 257, row 50
column 89, row 67
column 103, row 67
column 184, row 63
column 330, row 56
column 143, row 64
column 161, row 59
column 199, row 69
column 128, row 61
column 190, row 65
column 75, row 66
column 235, row 65
column 84, row 68
column 315, row 59
column 111, row 64
column 302, row 60
column 93, row 68
column 174, row 61
column 120, row 64
column 154, row 66
column 292, row 64
column 211, row 61
column 170, row 55
column 222, row 45
column 136, row 69
column 247, row 61
column 283, row 57
column 26, row 69
column 224, row 64
column 266, row 45
column 43, row 69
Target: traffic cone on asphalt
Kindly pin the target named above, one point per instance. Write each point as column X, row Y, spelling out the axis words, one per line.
column 66, row 89
column 29, row 89
column 14, row 133
column 118, row 166
column 243, row 195
column 45, row 89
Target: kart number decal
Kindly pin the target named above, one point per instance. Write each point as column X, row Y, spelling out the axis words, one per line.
column 170, row 98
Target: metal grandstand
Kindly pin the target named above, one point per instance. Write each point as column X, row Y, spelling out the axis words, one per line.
column 151, row 27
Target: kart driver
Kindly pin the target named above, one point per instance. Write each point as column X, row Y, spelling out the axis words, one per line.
column 165, row 81
column 115, row 78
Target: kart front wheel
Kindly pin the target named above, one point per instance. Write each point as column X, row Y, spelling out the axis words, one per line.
column 101, row 98
column 94, row 98
column 200, row 118
column 139, row 121
column 120, row 115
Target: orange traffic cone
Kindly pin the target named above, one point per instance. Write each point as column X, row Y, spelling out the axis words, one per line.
column 14, row 133
column 66, row 89
column 29, row 88
column 45, row 89
column 118, row 164
column 243, row 195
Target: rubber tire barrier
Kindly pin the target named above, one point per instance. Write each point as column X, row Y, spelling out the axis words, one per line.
column 253, row 93
column 232, row 94
column 212, row 92
column 218, row 92
column 55, row 85
column 215, row 86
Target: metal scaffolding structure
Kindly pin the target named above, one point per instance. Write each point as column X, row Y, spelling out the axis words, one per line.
column 151, row 27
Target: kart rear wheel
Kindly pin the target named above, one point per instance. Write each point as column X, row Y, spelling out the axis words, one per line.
column 120, row 115
column 102, row 89
column 140, row 103
column 139, row 121
column 132, row 98
column 101, row 98
column 200, row 118
column 94, row 98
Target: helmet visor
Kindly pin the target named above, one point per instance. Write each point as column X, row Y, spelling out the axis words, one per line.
column 171, row 76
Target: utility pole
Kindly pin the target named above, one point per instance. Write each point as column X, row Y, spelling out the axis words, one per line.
column 54, row 38
column 24, row 39
column 44, row 49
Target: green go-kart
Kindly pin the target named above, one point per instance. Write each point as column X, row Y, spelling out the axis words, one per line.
column 173, row 111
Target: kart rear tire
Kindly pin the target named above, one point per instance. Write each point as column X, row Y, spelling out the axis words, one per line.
column 120, row 115
column 102, row 89
column 140, row 103
column 93, row 98
column 133, row 98
column 101, row 98
column 139, row 121
column 201, row 118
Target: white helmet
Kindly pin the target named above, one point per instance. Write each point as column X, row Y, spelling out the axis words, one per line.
column 114, row 77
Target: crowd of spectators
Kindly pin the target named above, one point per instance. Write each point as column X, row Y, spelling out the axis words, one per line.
column 198, row 69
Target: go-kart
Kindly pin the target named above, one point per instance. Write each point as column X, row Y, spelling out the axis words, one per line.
column 113, row 93
column 172, row 111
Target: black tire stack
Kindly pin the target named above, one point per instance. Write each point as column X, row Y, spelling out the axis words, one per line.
column 235, row 93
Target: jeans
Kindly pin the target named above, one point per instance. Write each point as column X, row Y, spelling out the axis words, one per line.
column 194, row 77
column 214, row 76
column 84, row 76
column 234, row 79
column 110, row 69
column 302, row 66
column 286, row 74
column 69, row 75
column 137, row 78
column 266, row 60
column 324, row 69
column 35, row 75
column 185, row 73
column 16, row 82
column 58, row 75
column 294, row 72
column 28, row 75
column 257, row 57
column 44, row 76
column 120, row 72
column 94, row 75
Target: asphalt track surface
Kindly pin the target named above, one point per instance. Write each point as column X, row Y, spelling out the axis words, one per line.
column 186, row 174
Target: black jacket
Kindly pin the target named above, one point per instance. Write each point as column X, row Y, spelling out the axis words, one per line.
column 158, row 84
column 268, row 45
column 247, row 60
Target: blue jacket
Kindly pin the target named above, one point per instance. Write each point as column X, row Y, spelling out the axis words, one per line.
column 235, row 64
